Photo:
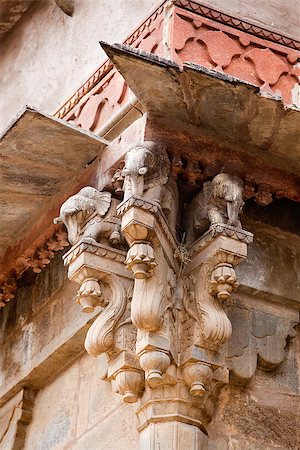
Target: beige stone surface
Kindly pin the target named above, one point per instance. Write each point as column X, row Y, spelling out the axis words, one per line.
column 77, row 410
column 40, row 158
column 10, row 414
column 42, row 331
column 279, row 15
column 220, row 97
column 278, row 257
column 265, row 414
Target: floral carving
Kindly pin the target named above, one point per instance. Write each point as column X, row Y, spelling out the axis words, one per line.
column 90, row 295
column 141, row 259
column 269, row 67
column 216, row 42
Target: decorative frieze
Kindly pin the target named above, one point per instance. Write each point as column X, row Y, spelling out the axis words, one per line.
column 260, row 337
column 35, row 259
column 185, row 30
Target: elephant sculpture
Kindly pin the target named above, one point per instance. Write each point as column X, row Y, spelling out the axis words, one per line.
column 91, row 214
column 146, row 174
column 146, row 171
column 220, row 201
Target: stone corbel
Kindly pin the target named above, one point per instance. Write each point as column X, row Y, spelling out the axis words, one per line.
column 105, row 283
column 210, row 279
column 97, row 266
column 150, row 256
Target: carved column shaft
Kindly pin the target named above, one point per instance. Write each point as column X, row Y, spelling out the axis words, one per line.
column 172, row 435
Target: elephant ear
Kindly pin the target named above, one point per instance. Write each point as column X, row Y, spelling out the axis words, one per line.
column 103, row 203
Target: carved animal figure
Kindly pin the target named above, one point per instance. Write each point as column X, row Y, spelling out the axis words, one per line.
column 220, row 201
column 91, row 214
column 146, row 171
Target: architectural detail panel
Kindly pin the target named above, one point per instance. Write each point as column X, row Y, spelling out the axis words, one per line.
column 218, row 46
column 186, row 31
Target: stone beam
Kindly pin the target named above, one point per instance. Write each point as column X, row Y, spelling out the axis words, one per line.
column 229, row 116
column 42, row 158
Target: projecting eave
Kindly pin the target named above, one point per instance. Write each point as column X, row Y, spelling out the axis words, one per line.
column 40, row 158
column 232, row 112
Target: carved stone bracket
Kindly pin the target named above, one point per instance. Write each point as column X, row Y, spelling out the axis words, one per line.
column 151, row 243
column 105, row 283
column 166, row 308
column 209, row 280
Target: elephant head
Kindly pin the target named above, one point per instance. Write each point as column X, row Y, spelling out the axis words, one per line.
column 219, row 201
column 146, row 165
column 140, row 161
column 226, row 199
column 77, row 210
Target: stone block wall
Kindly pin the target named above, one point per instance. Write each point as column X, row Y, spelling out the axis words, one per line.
column 78, row 411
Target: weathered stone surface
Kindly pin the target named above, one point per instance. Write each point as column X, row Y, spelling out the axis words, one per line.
column 259, row 337
column 15, row 416
column 46, row 337
column 216, row 95
column 276, row 14
column 278, row 258
column 246, row 419
column 41, row 155
column 76, row 410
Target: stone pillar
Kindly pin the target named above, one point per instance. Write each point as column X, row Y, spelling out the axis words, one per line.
column 172, row 435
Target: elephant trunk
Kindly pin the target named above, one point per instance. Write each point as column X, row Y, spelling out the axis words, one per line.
column 233, row 210
column 72, row 226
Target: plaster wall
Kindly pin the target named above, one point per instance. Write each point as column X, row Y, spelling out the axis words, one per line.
column 49, row 54
column 280, row 15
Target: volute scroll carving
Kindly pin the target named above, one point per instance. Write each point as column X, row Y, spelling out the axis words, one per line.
column 100, row 336
column 98, row 267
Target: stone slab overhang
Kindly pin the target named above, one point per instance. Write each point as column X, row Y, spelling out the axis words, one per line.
column 41, row 156
column 262, row 132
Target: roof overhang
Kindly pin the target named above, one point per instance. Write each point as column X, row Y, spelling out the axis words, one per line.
column 40, row 158
column 232, row 113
